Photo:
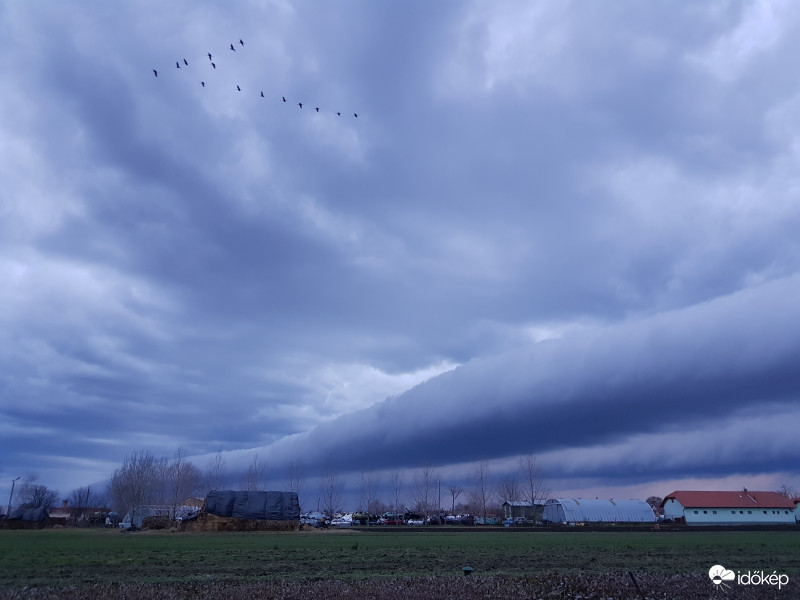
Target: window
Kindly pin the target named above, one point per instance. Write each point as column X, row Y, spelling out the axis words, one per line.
column 705, row 512
column 695, row 512
column 749, row 512
column 741, row 512
column 713, row 512
column 733, row 512
column 765, row 512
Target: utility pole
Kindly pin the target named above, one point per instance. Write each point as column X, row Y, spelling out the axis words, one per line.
column 10, row 497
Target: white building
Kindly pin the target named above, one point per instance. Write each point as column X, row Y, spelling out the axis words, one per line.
column 580, row 510
column 729, row 508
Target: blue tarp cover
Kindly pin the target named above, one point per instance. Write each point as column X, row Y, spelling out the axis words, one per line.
column 270, row 506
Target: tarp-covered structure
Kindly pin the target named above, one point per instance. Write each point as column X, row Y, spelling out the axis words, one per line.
column 243, row 504
column 34, row 515
column 28, row 518
column 580, row 510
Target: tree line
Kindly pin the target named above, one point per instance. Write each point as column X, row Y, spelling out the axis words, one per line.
column 145, row 480
column 427, row 494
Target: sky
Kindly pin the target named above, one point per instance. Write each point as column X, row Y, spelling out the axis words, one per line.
column 560, row 229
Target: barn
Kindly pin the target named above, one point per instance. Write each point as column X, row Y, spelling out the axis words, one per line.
column 580, row 510
column 744, row 507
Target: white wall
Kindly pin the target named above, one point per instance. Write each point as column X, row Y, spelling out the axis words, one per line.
column 736, row 516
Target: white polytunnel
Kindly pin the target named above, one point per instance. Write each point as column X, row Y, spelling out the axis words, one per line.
column 580, row 510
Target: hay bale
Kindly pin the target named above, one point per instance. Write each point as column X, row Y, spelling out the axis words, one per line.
column 156, row 522
column 208, row 522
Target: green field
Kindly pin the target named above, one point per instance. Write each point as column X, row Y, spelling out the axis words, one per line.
column 93, row 558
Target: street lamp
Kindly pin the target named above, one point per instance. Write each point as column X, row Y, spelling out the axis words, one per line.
column 8, row 512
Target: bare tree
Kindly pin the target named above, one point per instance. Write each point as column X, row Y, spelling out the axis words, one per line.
column 255, row 477
column 508, row 490
column 397, row 488
column 216, row 474
column 36, row 495
column 183, row 480
column 455, row 492
column 134, row 483
column 787, row 491
column 370, row 482
column 481, row 492
column 331, row 492
column 295, row 477
column 100, row 498
column 81, row 501
column 80, row 497
column 533, row 488
column 162, row 487
column 423, row 488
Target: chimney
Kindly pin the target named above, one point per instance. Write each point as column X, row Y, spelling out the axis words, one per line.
column 64, row 504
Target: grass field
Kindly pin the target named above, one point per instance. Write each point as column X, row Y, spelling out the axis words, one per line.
column 67, row 561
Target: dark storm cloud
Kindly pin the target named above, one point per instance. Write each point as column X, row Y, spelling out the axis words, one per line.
column 699, row 365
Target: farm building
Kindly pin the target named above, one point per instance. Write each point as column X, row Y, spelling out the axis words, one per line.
column 729, row 508
column 524, row 510
column 580, row 510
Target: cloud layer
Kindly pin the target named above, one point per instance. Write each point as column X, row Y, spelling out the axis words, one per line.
column 561, row 229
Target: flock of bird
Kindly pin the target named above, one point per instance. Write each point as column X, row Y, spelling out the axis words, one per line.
column 238, row 88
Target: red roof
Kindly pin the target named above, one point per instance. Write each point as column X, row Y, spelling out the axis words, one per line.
column 741, row 499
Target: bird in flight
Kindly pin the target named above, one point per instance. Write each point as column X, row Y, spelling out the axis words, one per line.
column 232, row 45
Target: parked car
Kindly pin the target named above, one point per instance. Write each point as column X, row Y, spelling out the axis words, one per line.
column 341, row 522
